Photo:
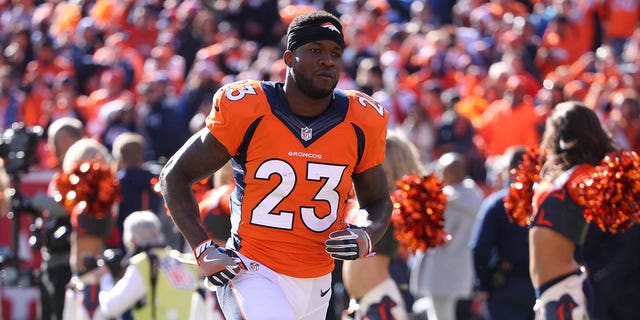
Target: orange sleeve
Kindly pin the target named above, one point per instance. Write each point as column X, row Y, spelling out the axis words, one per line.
column 372, row 117
column 233, row 111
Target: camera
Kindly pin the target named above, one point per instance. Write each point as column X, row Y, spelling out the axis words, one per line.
column 18, row 146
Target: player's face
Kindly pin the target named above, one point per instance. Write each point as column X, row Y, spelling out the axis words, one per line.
column 316, row 68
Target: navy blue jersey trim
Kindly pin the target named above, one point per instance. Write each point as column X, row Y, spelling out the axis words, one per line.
column 334, row 115
column 361, row 140
column 238, row 165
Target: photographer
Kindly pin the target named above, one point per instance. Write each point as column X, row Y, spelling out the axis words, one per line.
column 156, row 283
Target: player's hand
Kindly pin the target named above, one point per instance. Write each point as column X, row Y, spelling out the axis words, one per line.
column 349, row 244
column 218, row 264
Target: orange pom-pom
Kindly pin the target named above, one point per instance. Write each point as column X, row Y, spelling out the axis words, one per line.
column 611, row 194
column 518, row 202
column 418, row 212
column 90, row 188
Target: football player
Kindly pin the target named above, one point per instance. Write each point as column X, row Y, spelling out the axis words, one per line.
column 297, row 148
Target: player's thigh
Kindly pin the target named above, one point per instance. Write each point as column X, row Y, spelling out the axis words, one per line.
column 253, row 296
column 309, row 297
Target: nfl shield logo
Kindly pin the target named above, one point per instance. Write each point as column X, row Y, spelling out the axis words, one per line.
column 305, row 134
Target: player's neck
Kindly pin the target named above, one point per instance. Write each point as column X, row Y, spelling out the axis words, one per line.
column 303, row 105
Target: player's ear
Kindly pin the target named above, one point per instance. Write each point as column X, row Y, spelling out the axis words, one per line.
column 288, row 58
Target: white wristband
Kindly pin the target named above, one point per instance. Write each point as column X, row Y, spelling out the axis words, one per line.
column 202, row 247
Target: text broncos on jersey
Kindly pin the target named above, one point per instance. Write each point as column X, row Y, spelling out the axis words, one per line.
column 305, row 154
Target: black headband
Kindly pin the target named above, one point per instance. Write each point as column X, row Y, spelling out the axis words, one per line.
column 304, row 34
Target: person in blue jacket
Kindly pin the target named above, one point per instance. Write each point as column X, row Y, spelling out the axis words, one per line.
column 501, row 255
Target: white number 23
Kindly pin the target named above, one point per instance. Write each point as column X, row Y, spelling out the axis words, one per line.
column 263, row 213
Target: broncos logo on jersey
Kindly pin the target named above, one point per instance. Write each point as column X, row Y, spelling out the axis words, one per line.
column 382, row 310
column 561, row 309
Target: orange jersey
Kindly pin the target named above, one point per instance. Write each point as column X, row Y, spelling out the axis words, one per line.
column 292, row 175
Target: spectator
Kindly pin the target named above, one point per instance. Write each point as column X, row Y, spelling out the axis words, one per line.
column 624, row 119
column 163, row 58
column 456, row 133
column 202, row 81
column 397, row 98
column 163, row 125
column 116, row 117
column 557, row 46
column 259, row 22
column 420, row 130
column 65, row 101
column 444, row 275
column 112, row 87
column 87, row 39
column 10, row 98
column 501, row 253
column 39, row 78
column 613, row 264
column 136, row 179
column 509, row 121
column 618, row 21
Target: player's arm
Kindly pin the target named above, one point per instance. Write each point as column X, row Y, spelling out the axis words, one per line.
column 197, row 159
column 357, row 242
column 373, row 196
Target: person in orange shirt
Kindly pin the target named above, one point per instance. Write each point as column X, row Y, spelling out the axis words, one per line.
column 38, row 79
column 163, row 58
column 582, row 14
column 619, row 19
column 112, row 87
column 509, row 121
column 624, row 119
column 297, row 149
column 558, row 45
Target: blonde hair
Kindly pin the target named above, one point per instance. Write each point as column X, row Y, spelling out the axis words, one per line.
column 85, row 149
column 69, row 126
column 128, row 148
column 401, row 158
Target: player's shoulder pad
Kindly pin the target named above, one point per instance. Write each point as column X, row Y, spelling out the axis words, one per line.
column 239, row 98
column 238, row 91
column 367, row 111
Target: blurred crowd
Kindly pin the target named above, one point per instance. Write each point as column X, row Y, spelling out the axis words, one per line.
column 446, row 70
column 472, row 77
